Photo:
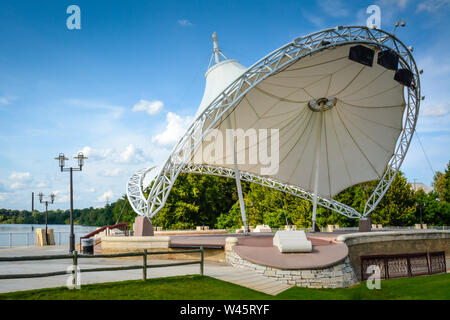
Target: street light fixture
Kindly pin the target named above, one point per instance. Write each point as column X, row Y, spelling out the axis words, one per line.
column 41, row 200
column 62, row 159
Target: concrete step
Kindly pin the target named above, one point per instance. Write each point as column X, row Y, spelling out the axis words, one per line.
column 254, row 280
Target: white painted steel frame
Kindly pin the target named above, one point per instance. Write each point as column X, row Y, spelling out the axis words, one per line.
column 271, row 64
column 135, row 191
column 274, row 184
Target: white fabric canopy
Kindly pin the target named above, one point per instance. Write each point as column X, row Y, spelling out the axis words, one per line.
column 359, row 134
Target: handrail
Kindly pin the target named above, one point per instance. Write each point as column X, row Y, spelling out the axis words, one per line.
column 115, row 226
column 75, row 256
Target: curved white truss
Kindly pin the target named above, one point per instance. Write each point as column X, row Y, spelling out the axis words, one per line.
column 135, row 191
column 274, row 184
column 269, row 65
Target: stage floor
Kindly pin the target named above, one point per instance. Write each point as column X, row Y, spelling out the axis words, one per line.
column 257, row 248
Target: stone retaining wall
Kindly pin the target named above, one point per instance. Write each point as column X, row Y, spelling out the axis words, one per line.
column 395, row 242
column 340, row 275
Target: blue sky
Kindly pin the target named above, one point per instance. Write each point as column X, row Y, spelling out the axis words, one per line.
column 124, row 86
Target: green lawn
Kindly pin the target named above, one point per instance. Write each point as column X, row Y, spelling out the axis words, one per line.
column 194, row 287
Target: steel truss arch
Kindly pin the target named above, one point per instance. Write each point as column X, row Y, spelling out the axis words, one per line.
column 276, row 62
column 274, row 184
column 135, row 191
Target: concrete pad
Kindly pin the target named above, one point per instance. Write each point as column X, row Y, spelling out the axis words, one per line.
column 216, row 270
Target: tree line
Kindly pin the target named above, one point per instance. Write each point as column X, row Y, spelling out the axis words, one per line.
column 197, row 200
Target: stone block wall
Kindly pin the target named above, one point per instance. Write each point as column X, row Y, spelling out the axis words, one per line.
column 340, row 275
column 395, row 242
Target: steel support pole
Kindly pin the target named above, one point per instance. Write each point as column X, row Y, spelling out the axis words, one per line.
column 238, row 177
column 72, row 236
column 316, row 170
column 46, row 223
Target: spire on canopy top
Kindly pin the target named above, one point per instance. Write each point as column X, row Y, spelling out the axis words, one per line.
column 216, row 51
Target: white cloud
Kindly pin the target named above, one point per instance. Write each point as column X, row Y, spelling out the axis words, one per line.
column 334, row 8
column 432, row 5
column 151, row 107
column 22, row 176
column 61, row 196
column 399, row 3
column 436, row 110
column 114, row 172
column 19, row 179
column 91, row 190
column 107, row 196
column 185, row 23
column 41, row 185
column 131, row 153
column 314, row 19
column 114, row 111
column 175, row 128
column 96, row 154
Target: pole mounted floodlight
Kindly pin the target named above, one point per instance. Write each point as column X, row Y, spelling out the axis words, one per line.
column 80, row 161
column 41, row 200
column 345, row 101
column 61, row 159
column 80, row 157
column 397, row 24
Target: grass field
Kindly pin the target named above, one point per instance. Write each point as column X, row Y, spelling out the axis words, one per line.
column 194, row 287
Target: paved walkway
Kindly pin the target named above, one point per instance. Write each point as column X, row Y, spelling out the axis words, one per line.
column 220, row 271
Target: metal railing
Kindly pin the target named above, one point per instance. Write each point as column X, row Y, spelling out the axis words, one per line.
column 9, row 239
column 404, row 265
column 75, row 256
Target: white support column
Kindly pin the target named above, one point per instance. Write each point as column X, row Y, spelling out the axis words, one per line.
column 238, row 175
column 316, row 171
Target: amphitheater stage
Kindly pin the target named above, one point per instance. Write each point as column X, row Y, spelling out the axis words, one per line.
column 258, row 248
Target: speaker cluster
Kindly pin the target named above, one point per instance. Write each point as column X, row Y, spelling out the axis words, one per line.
column 386, row 58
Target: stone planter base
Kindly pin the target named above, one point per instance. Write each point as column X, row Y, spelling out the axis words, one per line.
column 340, row 275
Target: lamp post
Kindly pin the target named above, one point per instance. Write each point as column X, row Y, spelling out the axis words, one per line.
column 424, row 204
column 52, row 199
column 61, row 158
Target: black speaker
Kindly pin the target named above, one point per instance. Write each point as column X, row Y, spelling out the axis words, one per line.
column 404, row 76
column 361, row 54
column 388, row 59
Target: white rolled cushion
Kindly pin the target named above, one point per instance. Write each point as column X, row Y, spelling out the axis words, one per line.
column 262, row 228
column 292, row 241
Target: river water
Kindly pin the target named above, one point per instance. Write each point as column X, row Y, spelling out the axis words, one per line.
column 25, row 234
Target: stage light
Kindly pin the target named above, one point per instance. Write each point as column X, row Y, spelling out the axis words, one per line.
column 403, row 76
column 388, row 59
column 361, row 54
